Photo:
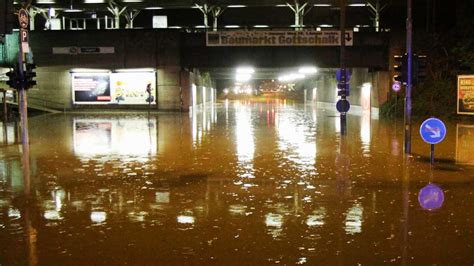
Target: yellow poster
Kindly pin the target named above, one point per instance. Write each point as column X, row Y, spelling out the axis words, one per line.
column 133, row 88
column 466, row 94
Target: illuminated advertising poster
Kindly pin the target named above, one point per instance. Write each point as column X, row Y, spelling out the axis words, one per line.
column 91, row 88
column 464, row 144
column 133, row 88
column 466, row 94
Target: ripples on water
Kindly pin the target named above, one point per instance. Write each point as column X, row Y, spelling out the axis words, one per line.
column 238, row 183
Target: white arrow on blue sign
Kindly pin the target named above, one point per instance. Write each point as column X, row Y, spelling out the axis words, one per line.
column 433, row 131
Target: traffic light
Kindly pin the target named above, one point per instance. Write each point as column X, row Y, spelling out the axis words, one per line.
column 400, row 68
column 29, row 76
column 419, row 68
column 14, row 79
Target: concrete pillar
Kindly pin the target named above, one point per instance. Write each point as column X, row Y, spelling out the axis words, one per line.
column 185, row 91
column 168, row 89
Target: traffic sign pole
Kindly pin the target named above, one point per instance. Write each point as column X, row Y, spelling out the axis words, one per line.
column 343, row 80
column 408, row 87
column 432, row 154
column 432, row 131
column 23, row 103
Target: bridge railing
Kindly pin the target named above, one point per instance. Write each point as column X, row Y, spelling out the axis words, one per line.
column 46, row 103
column 35, row 102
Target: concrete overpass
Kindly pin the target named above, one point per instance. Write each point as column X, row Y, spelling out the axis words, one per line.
column 179, row 59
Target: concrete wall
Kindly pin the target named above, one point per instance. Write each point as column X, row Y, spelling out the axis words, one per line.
column 169, row 89
column 205, row 91
column 326, row 87
column 54, row 88
column 159, row 50
column 169, row 52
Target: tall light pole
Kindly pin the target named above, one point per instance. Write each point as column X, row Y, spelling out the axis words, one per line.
column 409, row 78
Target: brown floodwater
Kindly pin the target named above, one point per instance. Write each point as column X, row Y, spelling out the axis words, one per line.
column 239, row 183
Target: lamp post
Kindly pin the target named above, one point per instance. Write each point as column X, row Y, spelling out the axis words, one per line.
column 409, row 80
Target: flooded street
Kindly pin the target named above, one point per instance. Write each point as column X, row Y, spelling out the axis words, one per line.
column 237, row 183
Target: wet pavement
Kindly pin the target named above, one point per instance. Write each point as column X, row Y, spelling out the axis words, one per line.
column 237, row 183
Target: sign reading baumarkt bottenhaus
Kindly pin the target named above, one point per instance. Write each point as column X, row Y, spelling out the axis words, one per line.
column 277, row 38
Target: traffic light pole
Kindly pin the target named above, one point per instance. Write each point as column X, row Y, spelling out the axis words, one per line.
column 23, row 109
column 409, row 79
column 343, row 64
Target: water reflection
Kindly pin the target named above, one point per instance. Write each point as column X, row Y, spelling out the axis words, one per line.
column 245, row 145
column 297, row 138
column 162, row 197
column 186, row 219
column 431, row 197
column 184, row 205
column 9, row 134
column 52, row 208
column 354, row 219
column 464, row 144
column 98, row 217
column 365, row 132
column 202, row 119
column 274, row 223
column 114, row 136
column 317, row 218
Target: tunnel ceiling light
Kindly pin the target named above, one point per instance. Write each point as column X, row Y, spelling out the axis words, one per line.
column 134, row 70
column 291, row 77
column 260, row 26
column 46, row 2
column 308, row 70
column 72, row 10
column 89, row 70
column 236, row 6
column 281, row 5
column 52, row 12
column 200, row 27
column 175, row 27
column 245, row 70
column 326, row 26
column 357, row 5
column 231, row 26
column 243, row 77
column 322, row 5
column 153, row 8
column 94, row 1
column 132, row 1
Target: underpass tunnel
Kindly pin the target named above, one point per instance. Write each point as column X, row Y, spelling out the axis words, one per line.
column 305, row 84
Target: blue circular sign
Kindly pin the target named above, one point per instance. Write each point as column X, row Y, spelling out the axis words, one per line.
column 433, row 131
column 431, row 197
column 343, row 106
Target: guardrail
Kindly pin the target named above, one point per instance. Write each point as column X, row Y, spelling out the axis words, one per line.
column 46, row 104
column 36, row 103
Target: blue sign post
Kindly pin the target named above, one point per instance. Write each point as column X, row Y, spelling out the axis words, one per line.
column 343, row 106
column 340, row 77
column 432, row 131
column 431, row 197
